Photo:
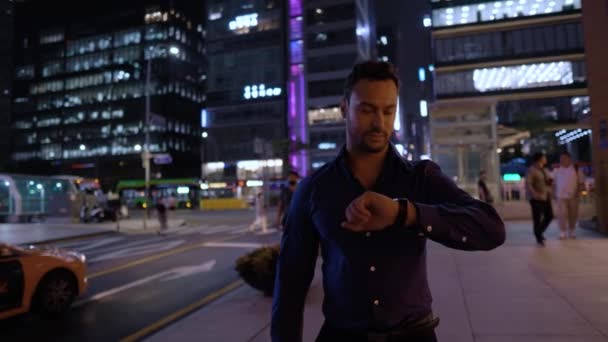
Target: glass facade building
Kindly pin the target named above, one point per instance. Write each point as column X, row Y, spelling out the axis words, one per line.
column 79, row 98
column 7, row 15
column 524, row 60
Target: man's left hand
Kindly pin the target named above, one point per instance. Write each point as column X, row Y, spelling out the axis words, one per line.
column 370, row 212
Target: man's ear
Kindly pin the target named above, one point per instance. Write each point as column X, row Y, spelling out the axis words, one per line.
column 344, row 107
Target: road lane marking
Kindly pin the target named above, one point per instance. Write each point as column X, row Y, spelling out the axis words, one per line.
column 140, row 334
column 139, row 250
column 153, row 258
column 234, row 244
column 224, row 229
column 172, row 274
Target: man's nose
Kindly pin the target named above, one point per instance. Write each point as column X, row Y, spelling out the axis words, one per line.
column 378, row 120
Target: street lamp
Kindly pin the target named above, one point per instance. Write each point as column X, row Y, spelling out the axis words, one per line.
column 82, row 147
column 146, row 153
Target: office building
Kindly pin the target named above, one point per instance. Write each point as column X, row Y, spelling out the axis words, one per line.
column 82, row 73
column 326, row 39
column 510, row 80
column 6, row 42
column 404, row 39
column 244, row 123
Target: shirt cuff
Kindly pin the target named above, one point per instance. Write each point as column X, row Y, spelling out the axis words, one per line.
column 429, row 220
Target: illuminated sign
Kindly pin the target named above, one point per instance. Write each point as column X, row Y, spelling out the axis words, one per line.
column 243, row 21
column 255, row 91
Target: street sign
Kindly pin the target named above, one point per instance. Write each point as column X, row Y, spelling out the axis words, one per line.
column 162, row 159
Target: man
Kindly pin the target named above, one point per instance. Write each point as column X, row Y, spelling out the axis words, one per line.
column 568, row 182
column 373, row 247
column 538, row 185
column 285, row 197
column 484, row 193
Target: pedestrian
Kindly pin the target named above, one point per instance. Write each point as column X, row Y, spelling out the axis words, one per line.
column 568, row 182
column 538, row 186
column 161, row 211
column 285, row 197
column 484, row 193
column 371, row 212
column 260, row 220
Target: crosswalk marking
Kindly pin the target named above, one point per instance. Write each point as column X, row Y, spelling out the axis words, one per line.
column 234, row 244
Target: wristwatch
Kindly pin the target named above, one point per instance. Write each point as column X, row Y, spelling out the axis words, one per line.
column 402, row 213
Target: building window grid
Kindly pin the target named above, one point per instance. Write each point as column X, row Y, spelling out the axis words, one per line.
column 523, row 42
column 500, row 10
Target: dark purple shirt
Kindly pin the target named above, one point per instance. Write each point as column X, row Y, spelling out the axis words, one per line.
column 375, row 280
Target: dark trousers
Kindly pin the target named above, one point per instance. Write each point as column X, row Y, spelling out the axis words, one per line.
column 329, row 334
column 542, row 214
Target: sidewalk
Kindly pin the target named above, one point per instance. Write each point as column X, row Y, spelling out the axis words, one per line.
column 518, row 292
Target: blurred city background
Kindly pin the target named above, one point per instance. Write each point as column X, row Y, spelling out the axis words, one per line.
column 116, row 105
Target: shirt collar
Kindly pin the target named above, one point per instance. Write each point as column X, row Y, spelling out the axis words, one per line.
column 391, row 162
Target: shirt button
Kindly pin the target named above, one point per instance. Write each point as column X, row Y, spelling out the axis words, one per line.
column 373, row 269
column 429, row 228
column 376, row 302
column 464, row 239
column 368, row 234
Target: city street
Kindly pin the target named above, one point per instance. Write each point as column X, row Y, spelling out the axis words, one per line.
column 138, row 279
column 183, row 287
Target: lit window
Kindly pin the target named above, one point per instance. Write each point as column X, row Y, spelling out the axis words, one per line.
column 324, row 115
column 424, row 111
column 326, row 146
column 427, row 22
column 523, row 76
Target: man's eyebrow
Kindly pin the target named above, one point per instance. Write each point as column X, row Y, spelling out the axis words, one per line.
column 367, row 104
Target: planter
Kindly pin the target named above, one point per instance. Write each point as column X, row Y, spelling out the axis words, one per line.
column 258, row 268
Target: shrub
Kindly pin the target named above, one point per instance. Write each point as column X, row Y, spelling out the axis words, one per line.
column 258, row 268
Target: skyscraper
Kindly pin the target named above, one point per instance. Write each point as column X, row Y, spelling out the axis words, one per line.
column 6, row 76
column 244, row 122
column 82, row 72
column 334, row 35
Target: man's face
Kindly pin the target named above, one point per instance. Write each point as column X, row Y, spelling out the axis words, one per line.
column 370, row 115
column 565, row 160
column 542, row 161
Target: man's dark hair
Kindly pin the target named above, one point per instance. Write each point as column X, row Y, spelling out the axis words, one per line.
column 370, row 70
column 537, row 156
column 294, row 173
column 566, row 153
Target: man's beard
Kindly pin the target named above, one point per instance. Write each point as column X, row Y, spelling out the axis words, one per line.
column 372, row 148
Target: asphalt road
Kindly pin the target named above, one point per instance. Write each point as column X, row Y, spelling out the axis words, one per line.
column 135, row 281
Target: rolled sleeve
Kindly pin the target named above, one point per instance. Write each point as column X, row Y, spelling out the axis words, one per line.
column 455, row 219
column 295, row 268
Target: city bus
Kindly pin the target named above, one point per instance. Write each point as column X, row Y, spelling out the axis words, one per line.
column 186, row 191
column 27, row 197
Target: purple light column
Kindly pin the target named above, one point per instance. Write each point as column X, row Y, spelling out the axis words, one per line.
column 298, row 158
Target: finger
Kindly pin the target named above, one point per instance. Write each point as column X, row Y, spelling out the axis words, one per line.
column 353, row 216
column 352, row 227
column 359, row 207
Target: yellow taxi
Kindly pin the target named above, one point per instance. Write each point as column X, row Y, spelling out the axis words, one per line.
column 44, row 280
